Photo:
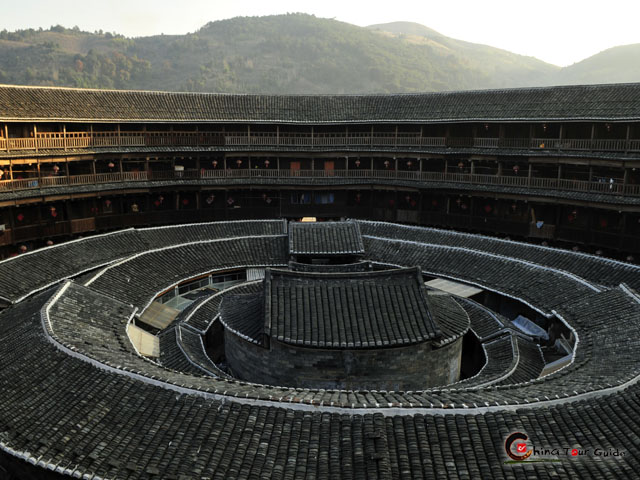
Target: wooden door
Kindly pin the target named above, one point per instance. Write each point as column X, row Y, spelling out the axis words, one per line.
column 328, row 167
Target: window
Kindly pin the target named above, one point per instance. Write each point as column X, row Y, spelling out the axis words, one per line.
column 301, row 198
column 324, row 198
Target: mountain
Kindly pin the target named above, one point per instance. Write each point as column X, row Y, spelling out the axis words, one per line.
column 293, row 53
column 503, row 68
column 614, row 65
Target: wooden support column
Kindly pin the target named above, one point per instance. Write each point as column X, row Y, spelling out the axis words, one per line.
column 39, row 217
column 11, row 211
column 473, row 167
column 93, row 167
column 625, row 177
column 626, row 143
column 66, row 169
column 35, row 139
column 10, row 170
column 38, row 169
column 277, row 134
column 395, row 140
column 6, row 136
column 64, row 136
column 119, row 141
column 91, row 135
column 559, row 171
column 371, row 134
column 623, row 228
column 312, row 140
column 499, row 169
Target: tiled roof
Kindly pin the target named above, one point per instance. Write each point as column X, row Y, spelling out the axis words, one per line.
column 339, row 268
column 140, row 278
column 530, row 362
column 577, row 102
column 79, row 401
column 532, row 283
column 501, row 359
column 598, row 270
column 353, row 310
column 325, row 238
column 244, row 315
column 26, row 273
column 172, row 356
column 157, row 237
column 484, row 322
column 453, row 320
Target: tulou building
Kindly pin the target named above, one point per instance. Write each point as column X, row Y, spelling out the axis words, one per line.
column 439, row 285
column 556, row 164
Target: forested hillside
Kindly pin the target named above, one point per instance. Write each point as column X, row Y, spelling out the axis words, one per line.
column 294, row 53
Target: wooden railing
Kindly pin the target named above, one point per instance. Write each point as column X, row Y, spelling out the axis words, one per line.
column 154, row 139
column 266, row 173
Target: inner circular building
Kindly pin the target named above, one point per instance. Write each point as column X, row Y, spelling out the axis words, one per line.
column 353, row 331
column 319, row 286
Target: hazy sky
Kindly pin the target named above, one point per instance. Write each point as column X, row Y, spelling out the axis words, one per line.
column 559, row 31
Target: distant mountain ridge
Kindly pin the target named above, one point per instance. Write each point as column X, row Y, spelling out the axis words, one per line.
column 293, row 53
column 615, row 65
column 506, row 69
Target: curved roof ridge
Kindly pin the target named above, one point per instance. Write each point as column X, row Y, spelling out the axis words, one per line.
column 605, row 102
column 321, row 95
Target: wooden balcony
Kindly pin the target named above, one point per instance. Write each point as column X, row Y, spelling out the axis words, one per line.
column 76, row 140
column 263, row 174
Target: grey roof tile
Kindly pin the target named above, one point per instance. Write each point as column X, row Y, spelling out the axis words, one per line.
column 325, row 238
column 62, row 410
column 353, row 310
column 576, row 102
